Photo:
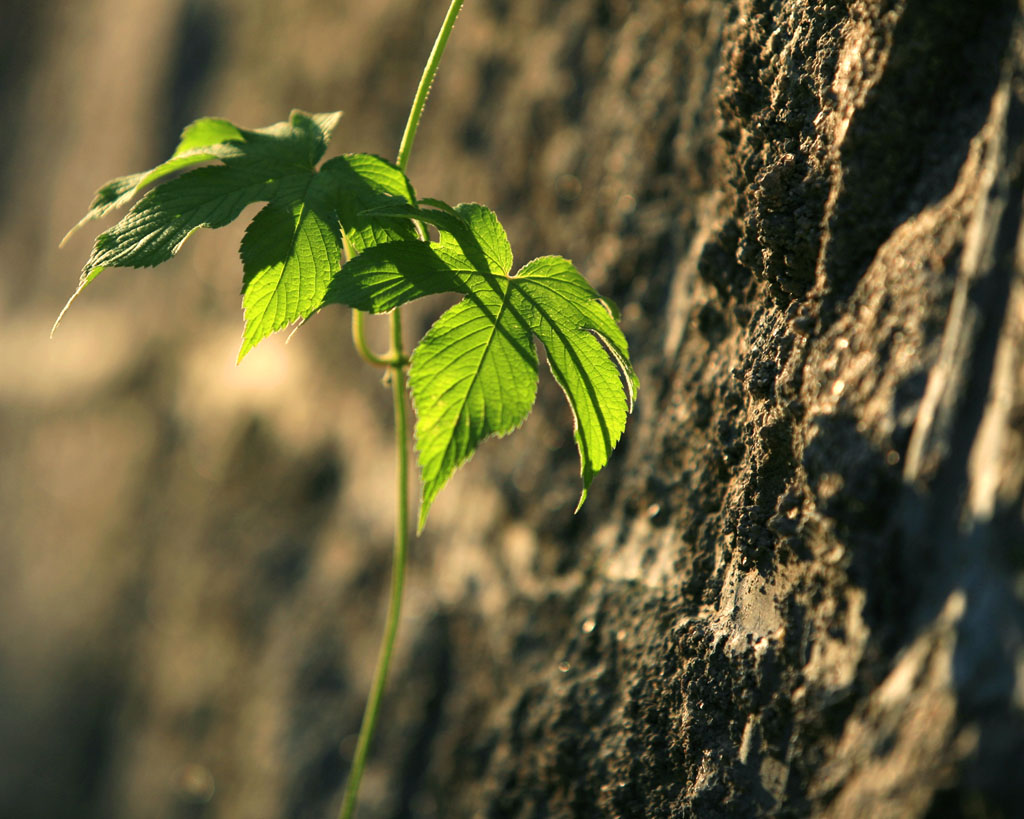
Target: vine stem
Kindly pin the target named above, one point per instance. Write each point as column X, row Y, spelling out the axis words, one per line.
column 399, row 560
column 396, row 363
column 426, row 81
column 405, row 150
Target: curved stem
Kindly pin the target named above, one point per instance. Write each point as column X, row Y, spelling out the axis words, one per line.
column 359, row 341
column 359, row 327
column 394, row 357
column 396, row 361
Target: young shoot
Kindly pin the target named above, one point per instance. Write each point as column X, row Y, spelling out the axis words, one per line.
column 350, row 231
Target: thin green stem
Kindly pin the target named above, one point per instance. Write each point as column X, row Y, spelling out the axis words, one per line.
column 412, row 125
column 396, row 361
column 359, row 327
column 387, row 645
column 359, row 341
column 391, row 359
column 426, row 81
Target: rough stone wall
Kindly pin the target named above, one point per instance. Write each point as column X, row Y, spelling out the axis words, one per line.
column 797, row 589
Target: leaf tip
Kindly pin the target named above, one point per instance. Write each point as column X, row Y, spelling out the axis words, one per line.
column 92, row 214
column 69, row 234
column 87, row 277
column 421, row 520
column 246, row 348
column 429, row 490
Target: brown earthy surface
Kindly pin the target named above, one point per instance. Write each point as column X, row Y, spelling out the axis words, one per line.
column 798, row 589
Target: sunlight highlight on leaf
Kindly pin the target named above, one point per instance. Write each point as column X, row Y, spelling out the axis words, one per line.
column 474, row 375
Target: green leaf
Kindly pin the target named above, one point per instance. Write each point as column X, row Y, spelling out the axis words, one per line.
column 474, row 375
column 292, row 247
column 289, row 252
column 203, row 140
column 443, row 216
column 363, row 183
column 389, row 275
column 587, row 355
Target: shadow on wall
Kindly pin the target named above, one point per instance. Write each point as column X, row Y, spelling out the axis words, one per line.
column 20, row 34
column 193, row 59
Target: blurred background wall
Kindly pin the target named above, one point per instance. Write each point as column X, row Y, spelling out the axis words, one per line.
column 194, row 555
column 797, row 588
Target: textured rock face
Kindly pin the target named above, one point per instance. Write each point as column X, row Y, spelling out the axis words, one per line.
column 796, row 591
